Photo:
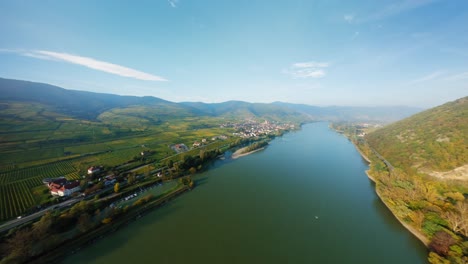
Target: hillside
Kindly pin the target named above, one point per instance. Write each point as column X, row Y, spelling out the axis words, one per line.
column 420, row 169
column 434, row 140
column 91, row 106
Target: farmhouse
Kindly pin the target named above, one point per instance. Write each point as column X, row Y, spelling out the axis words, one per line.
column 62, row 187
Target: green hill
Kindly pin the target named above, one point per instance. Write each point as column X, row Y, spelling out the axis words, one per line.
column 420, row 168
column 433, row 140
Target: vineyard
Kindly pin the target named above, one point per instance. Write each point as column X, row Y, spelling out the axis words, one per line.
column 15, row 186
column 15, row 198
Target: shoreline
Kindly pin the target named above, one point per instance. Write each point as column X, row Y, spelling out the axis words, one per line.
column 88, row 239
column 238, row 153
column 416, row 233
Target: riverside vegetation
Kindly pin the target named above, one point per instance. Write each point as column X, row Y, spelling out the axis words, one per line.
column 407, row 159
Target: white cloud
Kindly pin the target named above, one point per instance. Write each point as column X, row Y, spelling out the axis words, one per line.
column 394, row 9
column 457, row 77
column 93, row 64
column 173, row 3
column 349, row 18
column 312, row 69
column 426, row 78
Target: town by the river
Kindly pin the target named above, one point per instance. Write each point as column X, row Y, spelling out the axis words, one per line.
column 304, row 199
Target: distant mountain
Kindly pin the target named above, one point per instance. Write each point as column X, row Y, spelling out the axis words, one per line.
column 75, row 103
column 99, row 106
column 433, row 140
column 239, row 108
column 386, row 114
column 89, row 105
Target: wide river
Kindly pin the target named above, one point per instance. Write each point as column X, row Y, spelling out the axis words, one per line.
column 304, row 199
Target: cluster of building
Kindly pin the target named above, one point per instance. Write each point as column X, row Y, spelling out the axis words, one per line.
column 252, row 128
column 61, row 186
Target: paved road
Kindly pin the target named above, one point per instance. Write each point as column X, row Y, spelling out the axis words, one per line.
column 16, row 222
column 388, row 164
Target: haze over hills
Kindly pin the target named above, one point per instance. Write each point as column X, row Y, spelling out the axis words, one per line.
column 92, row 106
column 384, row 114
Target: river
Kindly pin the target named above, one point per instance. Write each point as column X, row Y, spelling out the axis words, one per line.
column 304, row 199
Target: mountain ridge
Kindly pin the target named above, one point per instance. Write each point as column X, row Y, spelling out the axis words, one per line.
column 90, row 105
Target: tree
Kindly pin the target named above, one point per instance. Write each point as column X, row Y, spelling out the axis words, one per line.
column 19, row 245
column 441, row 243
column 84, row 222
column 192, row 170
column 117, row 187
column 170, row 164
column 41, row 228
column 131, row 178
column 202, row 155
column 458, row 220
column 417, row 217
column 78, row 208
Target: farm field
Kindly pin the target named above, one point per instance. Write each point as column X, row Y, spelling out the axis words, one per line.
column 36, row 143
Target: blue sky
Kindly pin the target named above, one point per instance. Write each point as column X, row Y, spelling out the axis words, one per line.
column 329, row 52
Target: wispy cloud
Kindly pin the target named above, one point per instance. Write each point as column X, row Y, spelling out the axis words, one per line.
column 355, row 35
column 173, row 3
column 93, row 64
column 428, row 77
column 394, row 9
column 457, row 77
column 310, row 69
column 349, row 18
column 455, row 51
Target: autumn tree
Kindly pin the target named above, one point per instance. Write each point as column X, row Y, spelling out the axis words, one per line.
column 19, row 246
column 131, row 178
column 441, row 243
column 458, row 219
column 84, row 222
column 417, row 217
column 117, row 187
column 202, row 155
column 78, row 208
column 192, row 170
column 41, row 228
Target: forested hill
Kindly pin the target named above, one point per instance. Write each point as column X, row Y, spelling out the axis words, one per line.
column 94, row 106
column 433, row 140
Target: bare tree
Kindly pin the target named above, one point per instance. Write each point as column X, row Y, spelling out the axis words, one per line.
column 458, row 219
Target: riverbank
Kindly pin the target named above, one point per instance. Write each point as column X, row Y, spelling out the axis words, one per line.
column 240, row 152
column 87, row 239
column 408, row 227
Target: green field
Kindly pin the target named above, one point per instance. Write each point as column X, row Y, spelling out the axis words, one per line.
column 36, row 143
